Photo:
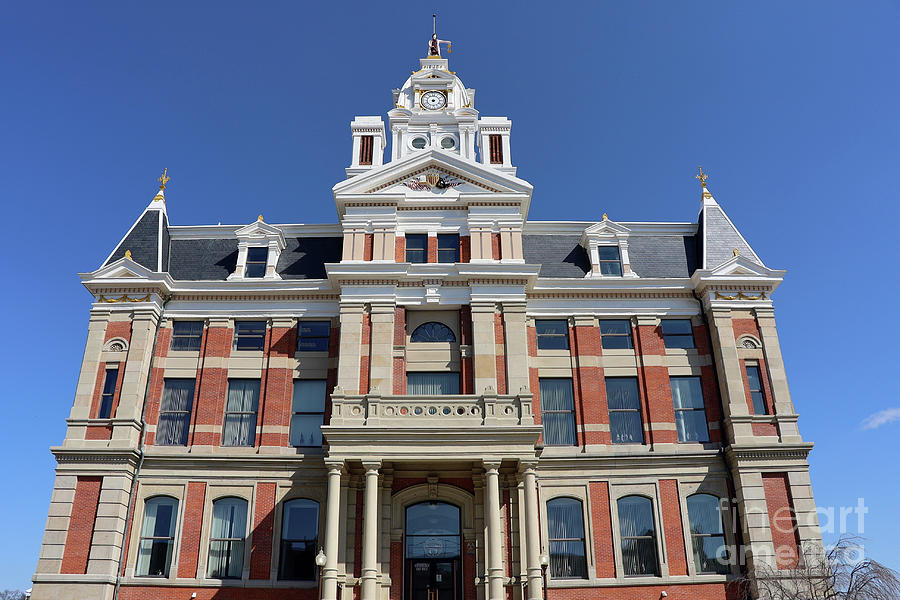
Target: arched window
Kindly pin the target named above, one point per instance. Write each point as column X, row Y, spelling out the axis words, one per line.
column 638, row 533
column 565, row 524
column 226, row 538
column 707, row 534
column 157, row 536
column 432, row 332
column 299, row 536
column 432, row 531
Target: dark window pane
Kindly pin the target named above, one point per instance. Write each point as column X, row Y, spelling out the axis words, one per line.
column 448, row 247
column 109, row 392
column 707, row 534
column 624, row 403
column 690, row 414
column 432, row 384
column 622, row 393
column 687, row 392
column 691, row 426
column 175, row 412
column 240, row 412
column 308, row 412
column 186, row 335
column 625, row 427
column 257, row 254
column 552, row 334
column 249, row 335
column 256, row 262
column 432, row 530
column 610, row 268
column 558, row 411
column 754, row 378
column 565, row 524
column 313, row 336
column 609, row 260
column 608, row 252
column 299, row 534
column 432, row 332
column 616, row 333
column 416, row 248
column 638, row 534
column 678, row 333
column 226, row 541
column 157, row 537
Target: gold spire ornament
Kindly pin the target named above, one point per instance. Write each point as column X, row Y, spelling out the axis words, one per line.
column 259, row 218
column 605, row 217
column 737, row 252
column 164, row 179
column 701, row 176
column 128, row 255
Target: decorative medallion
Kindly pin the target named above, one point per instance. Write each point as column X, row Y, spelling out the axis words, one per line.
column 432, row 180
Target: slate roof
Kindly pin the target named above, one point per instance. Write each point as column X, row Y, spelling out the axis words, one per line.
column 722, row 237
column 142, row 240
column 558, row 255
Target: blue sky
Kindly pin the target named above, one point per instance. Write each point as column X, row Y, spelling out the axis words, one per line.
column 791, row 107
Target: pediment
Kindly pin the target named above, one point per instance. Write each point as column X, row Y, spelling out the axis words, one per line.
column 740, row 266
column 258, row 229
column 124, row 268
column 606, row 227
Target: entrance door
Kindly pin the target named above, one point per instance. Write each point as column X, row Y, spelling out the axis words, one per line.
column 432, row 552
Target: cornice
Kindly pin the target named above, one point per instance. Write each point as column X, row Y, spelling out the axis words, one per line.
column 736, row 455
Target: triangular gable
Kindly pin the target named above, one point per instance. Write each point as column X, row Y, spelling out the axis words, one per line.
column 259, row 229
column 740, row 266
column 123, row 268
column 606, row 227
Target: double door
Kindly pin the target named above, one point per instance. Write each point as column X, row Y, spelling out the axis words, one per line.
column 433, row 579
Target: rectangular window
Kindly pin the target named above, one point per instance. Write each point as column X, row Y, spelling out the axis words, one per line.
column 240, row 412
column 312, row 336
column 558, row 411
column 609, row 261
column 616, row 334
column 226, row 538
column 308, row 412
column 495, row 141
column 175, row 412
column 186, row 335
column 678, row 333
column 109, row 392
column 157, row 537
column 249, row 335
column 624, row 403
column 552, row 334
column 565, row 524
column 366, row 146
column 690, row 410
column 638, row 532
column 432, row 384
column 754, row 378
column 416, row 248
column 256, row 262
column 448, row 247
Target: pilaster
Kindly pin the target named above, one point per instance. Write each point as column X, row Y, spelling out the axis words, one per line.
column 485, row 364
column 350, row 347
column 516, row 337
column 381, row 349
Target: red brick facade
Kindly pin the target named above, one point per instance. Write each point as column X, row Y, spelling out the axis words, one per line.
column 81, row 525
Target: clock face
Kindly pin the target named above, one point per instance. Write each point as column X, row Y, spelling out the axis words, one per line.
column 433, row 100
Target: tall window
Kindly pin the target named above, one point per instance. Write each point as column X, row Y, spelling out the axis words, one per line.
column 109, row 392
column 366, row 147
column 157, row 537
column 432, row 332
column 249, row 335
column 690, row 410
column 240, row 412
column 312, row 336
column 610, row 263
column 416, row 248
column 754, row 378
column 565, row 524
column 256, row 262
column 299, row 533
column 175, row 412
column 552, row 334
column 448, row 247
column 558, row 411
column 426, row 383
column 308, row 412
column 226, row 538
column 677, row 333
column 707, row 534
column 624, row 403
column 638, row 535
column 495, row 143
column 616, row 333
column 186, row 335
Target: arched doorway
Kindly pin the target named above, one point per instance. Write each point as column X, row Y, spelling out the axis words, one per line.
column 433, row 552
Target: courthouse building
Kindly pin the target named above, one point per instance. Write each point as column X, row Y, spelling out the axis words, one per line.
column 433, row 398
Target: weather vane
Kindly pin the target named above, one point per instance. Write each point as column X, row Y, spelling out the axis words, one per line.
column 164, row 179
column 701, row 176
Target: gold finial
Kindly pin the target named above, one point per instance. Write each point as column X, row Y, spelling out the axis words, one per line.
column 605, row 218
column 259, row 218
column 128, row 255
column 164, row 179
column 736, row 252
column 701, row 176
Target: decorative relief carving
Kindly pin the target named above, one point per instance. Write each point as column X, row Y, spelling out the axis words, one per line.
column 124, row 298
column 740, row 296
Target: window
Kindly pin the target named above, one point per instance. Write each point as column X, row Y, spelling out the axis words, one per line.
column 565, row 524
column 366, row 147
column 552, row 334
column 432, row 531
column 690, row 411
column 186, row 335
column 558, row 411
column 226, row 538
column 432, row 384
column 109, row 392
column 616, row 334
column 707, row 535
column 678, row 333
column 308, row 412
column 638, row 535
column 448, row 143
column 419, row 143
column 609, row 261
column 448, row 246
column 416, row 248
column 495, row 142
column 432, row 332
column 157, row 537
column 175, row 412
column 754, row 378
column 240, row 412
column 624, row 403
column 312, row 336
column 299, row 534
column 256, row 261
column 249, row 335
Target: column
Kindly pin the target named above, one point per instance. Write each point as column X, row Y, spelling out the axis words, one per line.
column 495, row 545
column 484, row 347
column 369, row 571
column 532, row 535
column 332, row 540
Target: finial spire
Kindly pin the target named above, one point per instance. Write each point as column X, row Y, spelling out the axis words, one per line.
column 260, row 218
column 128, row 255
column 702, row 177
column 164, row 179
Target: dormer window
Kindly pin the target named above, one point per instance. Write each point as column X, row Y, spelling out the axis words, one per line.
column 609, row 261
column 256, row 262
